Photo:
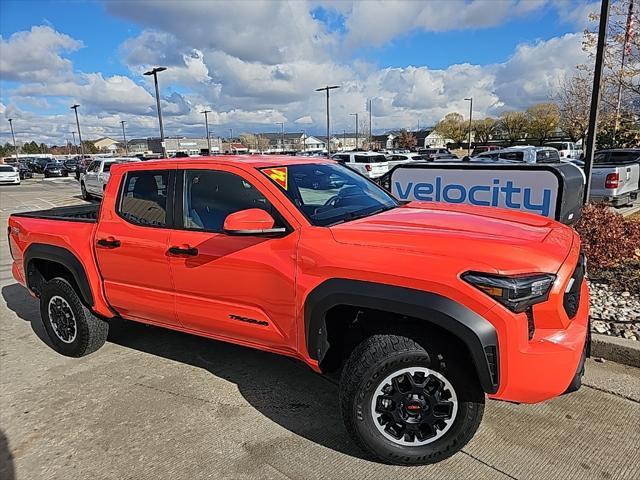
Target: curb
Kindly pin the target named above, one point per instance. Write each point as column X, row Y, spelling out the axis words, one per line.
column 616, row 349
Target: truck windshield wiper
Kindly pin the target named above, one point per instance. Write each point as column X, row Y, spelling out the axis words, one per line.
column 355, row 216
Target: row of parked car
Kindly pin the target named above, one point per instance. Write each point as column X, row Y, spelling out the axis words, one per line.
column 615, row 175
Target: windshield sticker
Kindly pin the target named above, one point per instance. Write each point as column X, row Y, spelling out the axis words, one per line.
column 278, row 175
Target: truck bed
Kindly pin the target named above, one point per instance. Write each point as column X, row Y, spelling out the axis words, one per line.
column 74, row 213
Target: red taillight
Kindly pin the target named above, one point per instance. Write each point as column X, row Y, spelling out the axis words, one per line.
column 368, row 167
column 612, row 180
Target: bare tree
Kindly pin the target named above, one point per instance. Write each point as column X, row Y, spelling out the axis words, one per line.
column 453, row 126
column 543, row 120
column 513, row 125
column 406, row 140
column 619, row 44
column 249, row 140
column 574, row 98
column 483, row 130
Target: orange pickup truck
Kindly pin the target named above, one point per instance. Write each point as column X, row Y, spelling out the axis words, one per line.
column 419, row 310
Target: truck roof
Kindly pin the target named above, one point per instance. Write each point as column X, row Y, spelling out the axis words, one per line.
column 250, row 161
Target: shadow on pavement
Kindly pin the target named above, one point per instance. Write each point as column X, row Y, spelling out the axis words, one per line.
column 7, row 469
column 283, row 389
column 26, row 307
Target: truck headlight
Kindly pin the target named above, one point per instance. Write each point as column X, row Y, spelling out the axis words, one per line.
column 517, row 293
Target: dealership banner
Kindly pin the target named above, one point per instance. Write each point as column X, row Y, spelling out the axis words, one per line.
column 552, row 191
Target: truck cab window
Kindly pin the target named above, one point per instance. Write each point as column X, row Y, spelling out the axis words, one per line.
column 144, row 198
column 211, row 195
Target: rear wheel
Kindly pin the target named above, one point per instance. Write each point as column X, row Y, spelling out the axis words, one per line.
column 83, row 189
column 73, row 329
column 407, row 406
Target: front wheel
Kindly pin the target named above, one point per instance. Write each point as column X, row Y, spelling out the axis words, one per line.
column 407, row 406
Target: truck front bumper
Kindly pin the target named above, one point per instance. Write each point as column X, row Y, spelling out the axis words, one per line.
column 547, row 365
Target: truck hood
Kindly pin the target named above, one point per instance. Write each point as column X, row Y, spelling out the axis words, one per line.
column 510, row 242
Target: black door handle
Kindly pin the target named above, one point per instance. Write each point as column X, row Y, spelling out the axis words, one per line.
column 190, row 251
column 108, row 242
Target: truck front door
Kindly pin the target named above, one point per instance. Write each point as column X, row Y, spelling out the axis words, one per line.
column 131, row 247
column 235, row 287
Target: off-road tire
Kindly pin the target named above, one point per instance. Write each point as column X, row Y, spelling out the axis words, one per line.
column 374, row 360
column 90, row 332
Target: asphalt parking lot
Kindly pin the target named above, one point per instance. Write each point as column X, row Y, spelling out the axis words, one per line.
column 155, row 404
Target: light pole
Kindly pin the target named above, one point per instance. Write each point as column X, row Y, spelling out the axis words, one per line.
column 15, row 149
column 124, row 135
column 75, row 109
column 75, row 149
column 595, row 98
column 470, row 100
column 282, row 134
column 230, row 139
column 356, row 115
column 206, row 125
column 370, row 136
column 155, row 72
column 326, row 89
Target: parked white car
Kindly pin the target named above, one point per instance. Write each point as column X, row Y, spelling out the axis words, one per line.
column 566, row 149
column 94, row 180
column 9, row 174
column 521, row 154
column 369, row 164
column 399, row 158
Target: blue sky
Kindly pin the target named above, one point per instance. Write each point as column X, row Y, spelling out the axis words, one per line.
column 257, row 63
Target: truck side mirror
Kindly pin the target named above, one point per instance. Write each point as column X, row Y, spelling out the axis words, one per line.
column 252, row 221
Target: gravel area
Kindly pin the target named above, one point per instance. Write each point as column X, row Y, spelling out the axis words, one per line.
column 614, row 312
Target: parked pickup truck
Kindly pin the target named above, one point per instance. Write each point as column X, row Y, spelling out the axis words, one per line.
column 94, row 179
column 418, row 310
column 615, row 177
column 566, row 150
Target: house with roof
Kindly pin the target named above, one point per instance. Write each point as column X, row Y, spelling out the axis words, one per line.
column 107, row 144
column 291, row 142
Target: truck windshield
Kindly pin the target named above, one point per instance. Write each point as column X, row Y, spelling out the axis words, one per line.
column 328, row 194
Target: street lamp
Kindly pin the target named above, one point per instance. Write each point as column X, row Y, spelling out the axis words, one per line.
column 326, row 89
column 282, row 127
column 75, row 149
column 155, row 72
column 124, row 135
column 356, row 115
column 206, row 125
column 230, row 140
column 470, row 100
column 15, row 149
column 75, row 109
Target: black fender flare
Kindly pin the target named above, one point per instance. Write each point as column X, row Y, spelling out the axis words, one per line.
column 477, row 334
column 42, row 251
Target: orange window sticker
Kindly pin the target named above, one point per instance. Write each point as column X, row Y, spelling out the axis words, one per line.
column 278, row 175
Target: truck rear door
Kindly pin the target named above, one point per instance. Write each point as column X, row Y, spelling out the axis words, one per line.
column 131, row 244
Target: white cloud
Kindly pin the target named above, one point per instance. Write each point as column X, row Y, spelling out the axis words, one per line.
column 255, row 63
column 35, row 55
column 375, row 23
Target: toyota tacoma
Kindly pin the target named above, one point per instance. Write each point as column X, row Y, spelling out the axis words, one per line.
column 418, row 310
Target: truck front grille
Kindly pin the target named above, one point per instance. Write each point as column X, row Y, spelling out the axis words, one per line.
column 571, row 300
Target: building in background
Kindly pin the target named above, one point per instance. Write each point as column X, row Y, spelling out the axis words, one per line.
column 290, row 142
column 347, row 141
column 107, row 144
column 189, row 146
column 138, row 146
